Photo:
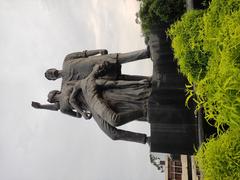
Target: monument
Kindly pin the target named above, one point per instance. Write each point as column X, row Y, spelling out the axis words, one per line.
column 93, row 86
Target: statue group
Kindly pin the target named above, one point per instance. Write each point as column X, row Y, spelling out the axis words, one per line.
column 94, row 86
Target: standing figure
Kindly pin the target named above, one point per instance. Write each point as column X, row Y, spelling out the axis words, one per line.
column 63, row 102
column 79, row 65
column 59, row 100
column 117, row 102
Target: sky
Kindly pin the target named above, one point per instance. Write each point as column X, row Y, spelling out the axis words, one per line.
column 43, row 145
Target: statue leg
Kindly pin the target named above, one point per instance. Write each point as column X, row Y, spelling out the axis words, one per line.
column 118, row 84
column 133, row 56
column 125, row 117
column 142, row 119
column 118, row 134
column 127, row 77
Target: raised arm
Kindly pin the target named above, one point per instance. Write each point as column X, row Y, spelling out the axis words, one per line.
column 96, row 52
column 52, row 107
column 85, row 54
column 76, row 103
column 75, row 55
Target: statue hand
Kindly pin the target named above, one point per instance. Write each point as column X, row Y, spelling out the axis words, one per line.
column 36, row 105
column 103, row 68
column 105, row 64
column 96, row 70
column 87, row 115
column 103, row 52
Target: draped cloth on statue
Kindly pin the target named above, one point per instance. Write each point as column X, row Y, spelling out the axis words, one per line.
column 127, row 98
column 117, row 102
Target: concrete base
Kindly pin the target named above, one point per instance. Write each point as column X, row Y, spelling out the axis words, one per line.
column 174, row 128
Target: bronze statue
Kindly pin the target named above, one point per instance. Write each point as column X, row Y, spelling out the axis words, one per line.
column 68, row 99
column 117, row 102
column 60, row 101
column 94, row 86
column 79, row 65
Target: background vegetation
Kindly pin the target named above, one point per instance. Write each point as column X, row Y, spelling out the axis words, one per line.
column 207, row 48
column 158, row 12
column 220, row 158
column 206, row 45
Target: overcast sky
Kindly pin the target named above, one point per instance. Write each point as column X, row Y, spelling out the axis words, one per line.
column 41, row 145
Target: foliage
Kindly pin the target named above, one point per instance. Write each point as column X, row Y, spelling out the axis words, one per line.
column 219, row 91
column 207, row 48
column 157, row 12
column 219, row 158
column 187, row 41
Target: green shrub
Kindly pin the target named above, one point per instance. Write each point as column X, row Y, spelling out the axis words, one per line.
column 219, row 91
column 219, row 158
column 206, row 46
column 157, row 12
column 187, row 41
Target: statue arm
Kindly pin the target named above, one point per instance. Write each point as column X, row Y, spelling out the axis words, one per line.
column 95, row 102
column 75, row 104
column 100, row 70
column 71, row 113
column 118, row 134
column 119, row 84
column 53, row 107
column 96, row 52
column 85, row 54
column 75, row 55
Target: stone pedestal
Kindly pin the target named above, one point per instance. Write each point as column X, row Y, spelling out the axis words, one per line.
column 174, row 128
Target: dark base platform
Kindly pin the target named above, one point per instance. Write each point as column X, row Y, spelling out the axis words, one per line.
column 174, row 128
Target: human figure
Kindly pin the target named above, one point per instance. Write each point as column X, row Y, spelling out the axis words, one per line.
column 117, row 102
column 59, row 100
column 79, row 65
column 62, row 101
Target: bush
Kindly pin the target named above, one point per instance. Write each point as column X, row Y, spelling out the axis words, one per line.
column 206, row 46
column 157, row 12
column 187, row 41
column 219, row 158
column 219, row 91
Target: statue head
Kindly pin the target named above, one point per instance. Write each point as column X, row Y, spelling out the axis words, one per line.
column 52, row 74
column 51, row 96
